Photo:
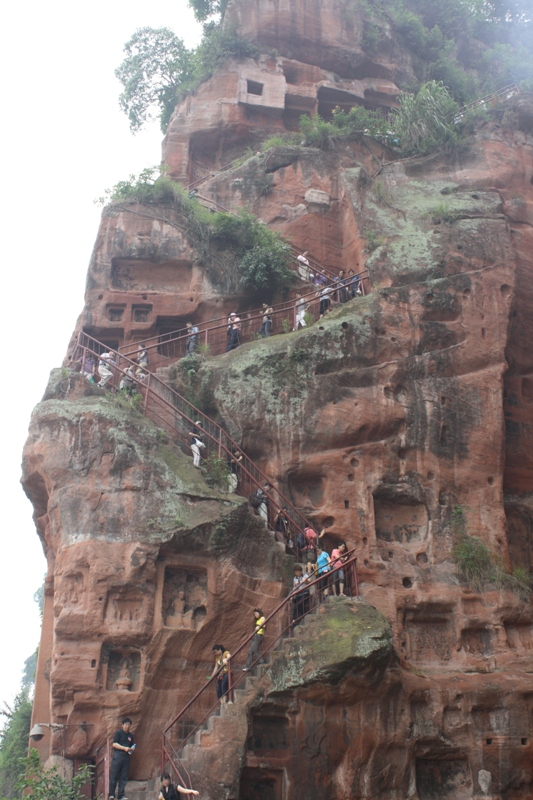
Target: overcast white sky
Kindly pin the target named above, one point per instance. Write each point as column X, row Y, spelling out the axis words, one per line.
column 64, row 140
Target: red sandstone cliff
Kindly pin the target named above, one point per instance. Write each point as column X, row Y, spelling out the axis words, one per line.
column 378, row 422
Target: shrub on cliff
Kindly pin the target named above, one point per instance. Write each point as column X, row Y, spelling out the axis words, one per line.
column 480, row 567
column 425, row 121
column 239, row 251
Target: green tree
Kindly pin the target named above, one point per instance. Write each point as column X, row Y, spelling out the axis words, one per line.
column 156, row 64
column 204, row 9
column 49, row 784
column 14, row 742
column 29, row 670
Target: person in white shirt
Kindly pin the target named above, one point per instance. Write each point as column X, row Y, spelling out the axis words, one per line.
column 300, row 308
column 104, row 368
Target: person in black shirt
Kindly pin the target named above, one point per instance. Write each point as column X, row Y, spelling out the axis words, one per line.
column 123, row 747
column 170, row 792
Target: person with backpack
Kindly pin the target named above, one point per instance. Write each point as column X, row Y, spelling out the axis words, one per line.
column 309, row 550
column 259, row 501
column 254, row 653
column 282, row 526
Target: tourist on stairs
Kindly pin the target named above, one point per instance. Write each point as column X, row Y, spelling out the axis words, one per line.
column 234, row 326
column 300, row 601
column 337, row 558
column 221, row 669
column 300, row 308
column 104, row 368
column 169, row 791
column 196, row 443
column 254, row 653
column 266, row 325
column 322, row 563
column 192, row 338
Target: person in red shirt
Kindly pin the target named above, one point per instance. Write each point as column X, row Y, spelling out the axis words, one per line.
column 309, row 552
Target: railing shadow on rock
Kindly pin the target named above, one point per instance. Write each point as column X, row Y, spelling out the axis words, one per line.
column 186, row 728
column 212, row 336
column 173, row 412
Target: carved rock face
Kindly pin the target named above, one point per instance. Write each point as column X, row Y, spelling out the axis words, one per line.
column 142, row 555
column 378, row 421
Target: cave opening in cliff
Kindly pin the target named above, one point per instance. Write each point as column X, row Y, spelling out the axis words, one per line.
column 261, row 784
column 443, row 779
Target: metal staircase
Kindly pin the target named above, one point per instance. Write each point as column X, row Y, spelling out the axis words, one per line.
column 199, row 717
column 173, row 412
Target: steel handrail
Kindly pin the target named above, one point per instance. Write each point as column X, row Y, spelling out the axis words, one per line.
column 348, row 562
column 284, row 306
column 206, row 334
column 162, row 410
column 509, row 90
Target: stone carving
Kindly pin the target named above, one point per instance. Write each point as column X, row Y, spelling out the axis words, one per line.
column 123, row 671
column 125, row 609
column 185, row 599
column 72, row 591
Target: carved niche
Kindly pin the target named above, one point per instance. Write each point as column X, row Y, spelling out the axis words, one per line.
column 123, row 671
column 185, row 598
column 122, row 608
column 71, row 593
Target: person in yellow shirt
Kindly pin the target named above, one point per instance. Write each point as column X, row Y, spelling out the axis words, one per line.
column 254, row 653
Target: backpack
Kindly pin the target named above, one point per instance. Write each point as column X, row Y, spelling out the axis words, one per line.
column 256, row 498
column 301, row 541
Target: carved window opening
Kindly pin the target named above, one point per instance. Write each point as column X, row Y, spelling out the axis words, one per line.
column 115, row 313
column 185, row 598
column 269, row 732
column 253, row 87
column 141, row 313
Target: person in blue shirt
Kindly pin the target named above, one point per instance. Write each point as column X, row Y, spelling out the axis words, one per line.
column 322, row 564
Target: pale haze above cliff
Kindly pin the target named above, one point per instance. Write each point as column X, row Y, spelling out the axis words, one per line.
column 65, row 141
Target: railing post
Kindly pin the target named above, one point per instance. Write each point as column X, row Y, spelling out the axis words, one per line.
column 147, row 391
column 356, row 579
column 83, row 359
column 107, row 767
column 220, row 443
